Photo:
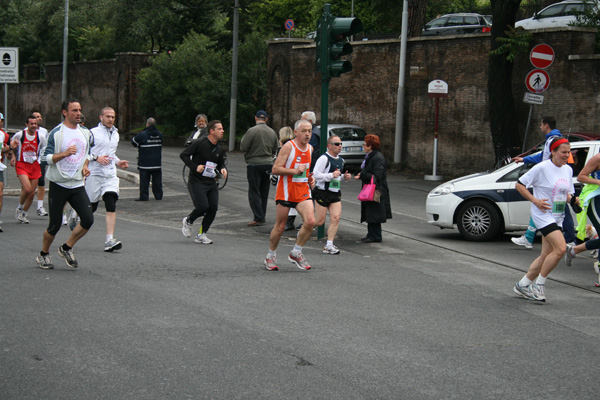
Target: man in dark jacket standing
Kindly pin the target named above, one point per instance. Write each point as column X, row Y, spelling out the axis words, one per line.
column 149, row 142
column 260, row 144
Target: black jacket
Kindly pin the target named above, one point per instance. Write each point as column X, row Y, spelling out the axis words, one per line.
column 149, row 142
column 370, row 211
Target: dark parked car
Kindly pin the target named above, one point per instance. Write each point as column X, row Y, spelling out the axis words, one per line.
column 457, row 24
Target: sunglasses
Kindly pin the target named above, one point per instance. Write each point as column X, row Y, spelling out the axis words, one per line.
column 336, row 143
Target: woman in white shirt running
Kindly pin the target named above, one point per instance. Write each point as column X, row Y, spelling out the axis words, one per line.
column 552, row 182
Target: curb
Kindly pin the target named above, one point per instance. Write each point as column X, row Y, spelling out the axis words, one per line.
column 128, row 176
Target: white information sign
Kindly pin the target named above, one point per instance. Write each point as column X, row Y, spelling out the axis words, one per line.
column 9, row 65
column 530, row 98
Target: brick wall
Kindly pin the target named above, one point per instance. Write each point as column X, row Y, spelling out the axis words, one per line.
column 367, row 96
column 95, row 84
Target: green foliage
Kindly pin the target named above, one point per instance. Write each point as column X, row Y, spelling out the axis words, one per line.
column 196, row 78
column 441, row 7
column 516, row 42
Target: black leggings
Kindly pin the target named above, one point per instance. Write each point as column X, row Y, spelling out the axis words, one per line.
column 206, row 200
column 58, row 196
column 110, row 202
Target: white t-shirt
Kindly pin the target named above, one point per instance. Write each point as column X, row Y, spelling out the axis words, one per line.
column 552, row 183
column 71, row 164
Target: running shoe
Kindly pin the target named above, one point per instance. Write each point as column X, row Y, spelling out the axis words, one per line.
column 523, row 291
column 68, row 256
column 299, row 260
column 331, row 250
column 112, row 244
column 186, row 228
column 597, row 269
column 42, row 211
column 522, row 241
column 569, row 256
column 72, row 220
column 271, row 264
column 202, row 238
column 64, row 221
column 21, row 216
column 594, row 253
column 1, row 227
column 539, row 292
column 44, row 262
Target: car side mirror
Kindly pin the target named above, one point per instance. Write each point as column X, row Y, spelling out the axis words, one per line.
column 535, row 15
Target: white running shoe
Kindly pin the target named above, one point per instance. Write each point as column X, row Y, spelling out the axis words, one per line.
column 73, row 219
column 21, row 216
column 331, row 250
column 112, row 244
column 539, row 292
column 64, row 221
column 522, row 241
column 597, row 269
column 569, row 256
column 202, row 239
column 42, row 211
column 186, row 228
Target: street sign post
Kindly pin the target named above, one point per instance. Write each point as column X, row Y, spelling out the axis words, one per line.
column 9, row 72
column 436, row 89
column 289, row 25
column 541, row 56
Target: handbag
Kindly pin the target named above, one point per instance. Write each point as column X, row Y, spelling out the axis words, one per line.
column 369, row 193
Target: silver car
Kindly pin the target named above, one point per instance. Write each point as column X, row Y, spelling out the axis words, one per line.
column 352, row 137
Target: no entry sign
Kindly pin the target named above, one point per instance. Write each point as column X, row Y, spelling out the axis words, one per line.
column 537, row 81
column 541, row 56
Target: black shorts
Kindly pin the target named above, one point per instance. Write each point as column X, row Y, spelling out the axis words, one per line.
column 550, row 228
column 326, row 197
column 289, row 204
column 42, row 181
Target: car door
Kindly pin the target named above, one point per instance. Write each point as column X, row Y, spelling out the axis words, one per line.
column 548, row 17
column 470, row 25
column 454, row 25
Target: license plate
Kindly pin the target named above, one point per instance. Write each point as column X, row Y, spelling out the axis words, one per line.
column 352, row 148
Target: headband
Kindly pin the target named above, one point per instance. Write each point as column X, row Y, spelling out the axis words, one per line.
column 558, row 143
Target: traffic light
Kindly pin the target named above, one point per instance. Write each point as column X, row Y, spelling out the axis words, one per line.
column 339, row 31
column 332, row 43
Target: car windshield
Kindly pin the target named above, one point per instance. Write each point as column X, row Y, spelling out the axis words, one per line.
column 349, row 133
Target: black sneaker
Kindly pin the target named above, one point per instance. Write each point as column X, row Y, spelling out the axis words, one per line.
column 68, row 256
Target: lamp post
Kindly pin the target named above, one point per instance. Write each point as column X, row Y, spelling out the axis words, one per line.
column 65, row 51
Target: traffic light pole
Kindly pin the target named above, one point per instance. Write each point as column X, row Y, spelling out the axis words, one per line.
column 325, row 78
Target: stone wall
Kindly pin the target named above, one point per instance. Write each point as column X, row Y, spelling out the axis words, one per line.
column 95, row 84
column 367, row 96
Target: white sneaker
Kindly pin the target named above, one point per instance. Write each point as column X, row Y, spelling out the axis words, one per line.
column 597, row 269
column 569, row 256
column 186, row 228
column 331, row 250
column 202, row 239
column 21, row 216
column 73, row 219
column 42, row 211
column 522, row 241
column 64, row 221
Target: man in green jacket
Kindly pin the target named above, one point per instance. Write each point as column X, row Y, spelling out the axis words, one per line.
column 259, row 144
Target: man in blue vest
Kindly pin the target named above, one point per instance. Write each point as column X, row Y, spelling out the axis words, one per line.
column 328, row 177
column 149, row 142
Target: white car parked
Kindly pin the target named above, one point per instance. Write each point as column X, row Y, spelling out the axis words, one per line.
column 556, row 15
column 485, row 204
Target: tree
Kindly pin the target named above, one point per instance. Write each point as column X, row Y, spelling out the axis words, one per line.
column 503, row 115
column 416, row 17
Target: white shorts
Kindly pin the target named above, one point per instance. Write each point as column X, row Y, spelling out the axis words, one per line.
column 96, row 186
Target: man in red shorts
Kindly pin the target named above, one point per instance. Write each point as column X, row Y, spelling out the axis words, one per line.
column 28, row 144
column 293, row 191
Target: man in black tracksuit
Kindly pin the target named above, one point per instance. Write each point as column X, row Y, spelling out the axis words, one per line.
column 149, row 142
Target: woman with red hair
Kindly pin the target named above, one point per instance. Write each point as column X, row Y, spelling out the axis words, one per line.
column 371, row 212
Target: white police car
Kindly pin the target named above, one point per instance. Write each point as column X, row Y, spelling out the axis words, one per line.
column 486, row 204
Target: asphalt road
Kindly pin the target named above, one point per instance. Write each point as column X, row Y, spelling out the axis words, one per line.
column 422, row 315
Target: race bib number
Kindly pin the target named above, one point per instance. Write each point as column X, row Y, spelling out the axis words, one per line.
column 209, row 170
column 300, row 177
column 336, row 183
column 29, row 156
column 560, row 201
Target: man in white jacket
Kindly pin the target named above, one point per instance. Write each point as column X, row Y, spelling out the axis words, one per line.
column 103, row 182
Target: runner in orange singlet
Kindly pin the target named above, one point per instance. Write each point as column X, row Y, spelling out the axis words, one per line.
column 293, row 190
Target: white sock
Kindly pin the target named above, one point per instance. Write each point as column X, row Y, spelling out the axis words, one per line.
column 297, row 249
column 540, row 280
column 40, row 204
column 20, row 207
column 109, row 237
column 525, row 281
column 271, row 253
column 329, row 243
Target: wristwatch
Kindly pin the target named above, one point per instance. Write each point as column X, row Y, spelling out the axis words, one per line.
column 94, row 158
